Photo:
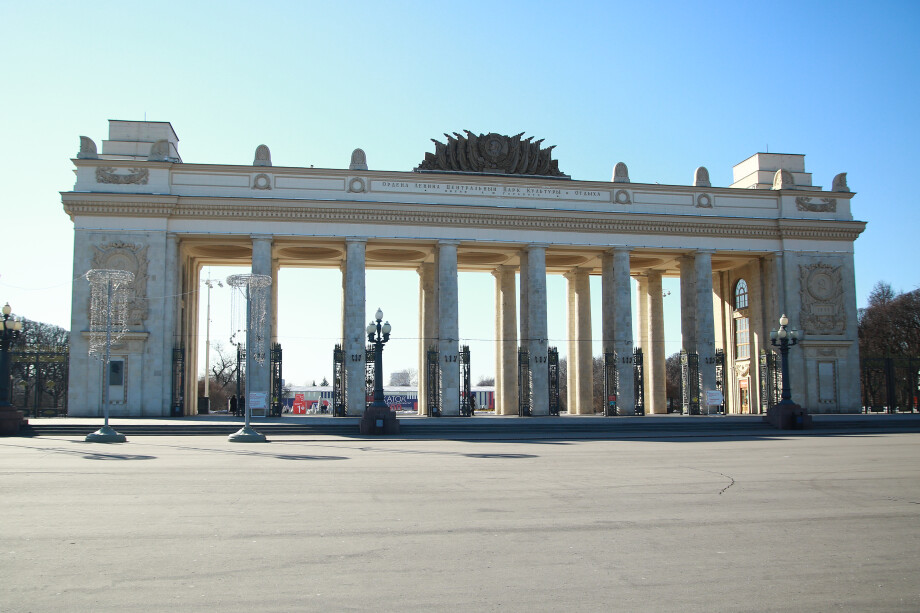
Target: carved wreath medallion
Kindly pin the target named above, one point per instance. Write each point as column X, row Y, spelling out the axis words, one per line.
column 822, row 299
column 105, row 174
column 133, row 258
column 807, row 203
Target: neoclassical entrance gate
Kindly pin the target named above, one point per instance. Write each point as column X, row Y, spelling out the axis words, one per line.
column 768, row 244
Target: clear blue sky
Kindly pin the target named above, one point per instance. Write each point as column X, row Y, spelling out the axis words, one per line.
column 662, row 86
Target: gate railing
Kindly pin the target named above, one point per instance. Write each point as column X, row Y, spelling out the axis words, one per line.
column 771, row 380
column 177, row 405
column 611, row 383
column 370, row 353
column 638, row 380
column 433, row 382
column 525, row 384
column 465, row 385
column 42, row 377
column 277, row 391
column 338, row 382
column 891, row 384
column 552, row 355
column 690, row 382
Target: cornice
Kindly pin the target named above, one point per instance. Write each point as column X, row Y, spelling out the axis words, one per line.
column 467, row 216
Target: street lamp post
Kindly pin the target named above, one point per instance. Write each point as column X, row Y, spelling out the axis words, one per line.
column 379, row 335
column 378, row 418
column 786, row 414
column 10, row 329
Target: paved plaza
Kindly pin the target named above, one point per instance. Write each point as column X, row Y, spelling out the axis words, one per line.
column 789, row 522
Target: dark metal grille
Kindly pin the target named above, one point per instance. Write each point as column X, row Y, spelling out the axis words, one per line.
column 771, row 380
column 178, row 381
column 433, row 382
column 638, row 379
column 338, row 382
column 525, row 385
column 891, row 384
column 690, row 382
column 611, row 383
column 552, row 354
column 276, row 380
column 42, row 378
column 465, row 385
column 720, row 377
column 369, row 369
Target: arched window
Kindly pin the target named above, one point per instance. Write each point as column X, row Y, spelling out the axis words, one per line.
column 742, row 323
column 741, row 295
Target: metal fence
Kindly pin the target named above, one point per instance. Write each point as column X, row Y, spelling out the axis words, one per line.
column 890, row 385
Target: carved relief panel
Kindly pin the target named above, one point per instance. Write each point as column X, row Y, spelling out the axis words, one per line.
column 822, row 299
column 133, row 258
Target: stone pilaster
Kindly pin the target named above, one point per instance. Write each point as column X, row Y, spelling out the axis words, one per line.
column 536, row 325
column 171, row 318
column 643, row 337
column 353, row 337
column 448, row 326
column 657, row 401
column 705, row 323
column 581, row 386
column 505, row 342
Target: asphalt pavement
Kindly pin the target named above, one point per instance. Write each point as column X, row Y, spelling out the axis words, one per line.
column 737, row 522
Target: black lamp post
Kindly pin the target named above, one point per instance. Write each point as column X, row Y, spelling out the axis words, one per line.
column 379, row 335
column 10, row 329
column 786, row 414
column 784, row 340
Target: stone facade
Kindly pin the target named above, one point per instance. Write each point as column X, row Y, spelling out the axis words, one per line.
column 138, row 206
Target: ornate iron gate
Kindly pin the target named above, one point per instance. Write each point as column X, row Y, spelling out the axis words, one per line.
column 465, row 386
column 690, row 382
column 433, row 382
column 771, row 380
column 43, row 378
column 638, row 378
column 891, row 384
column 524, row 383
column 369, row 369
column 178, row 382
column 720, row 376
column 552, row 354
column 277, row 381
column 240, row 373
column 611, row 383
column 338, row 382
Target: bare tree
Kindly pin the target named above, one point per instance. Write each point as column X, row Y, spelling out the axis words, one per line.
column 890, row 324
column 40, row 361
column 485, row 381
column 406, row 377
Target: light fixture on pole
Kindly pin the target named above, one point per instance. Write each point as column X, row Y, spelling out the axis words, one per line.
column 786, row 414
column 207, row 342
column 378, row 418
column 10, row 329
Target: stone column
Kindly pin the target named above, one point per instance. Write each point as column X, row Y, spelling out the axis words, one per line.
column 428, row 328
column 353, row 324
column 656, row 365
column 617, row 323
column 525, row 293
column 643, row 338
column 581, row 386
column 571, row 400
column 536, row 325
column 448, row 326
column 276, row 267
column 687, row 304
column 705, row 324
column 506, row 342
column 260, row 378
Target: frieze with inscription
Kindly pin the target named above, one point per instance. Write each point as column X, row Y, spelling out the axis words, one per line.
column 500, row 191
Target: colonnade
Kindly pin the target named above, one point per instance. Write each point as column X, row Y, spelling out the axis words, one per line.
column 438, row 326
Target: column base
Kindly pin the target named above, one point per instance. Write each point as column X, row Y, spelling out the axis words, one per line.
column 11, row 419
column 247, row 435
column 105, row 434
column 788, row 417
column 378, row 420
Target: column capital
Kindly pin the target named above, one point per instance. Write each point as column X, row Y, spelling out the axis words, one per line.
column 447, row 243
column 703, row 252
column 531, row 246
column 620, row 249
column 261, row 237
column 503, row 269
column 355, row 239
